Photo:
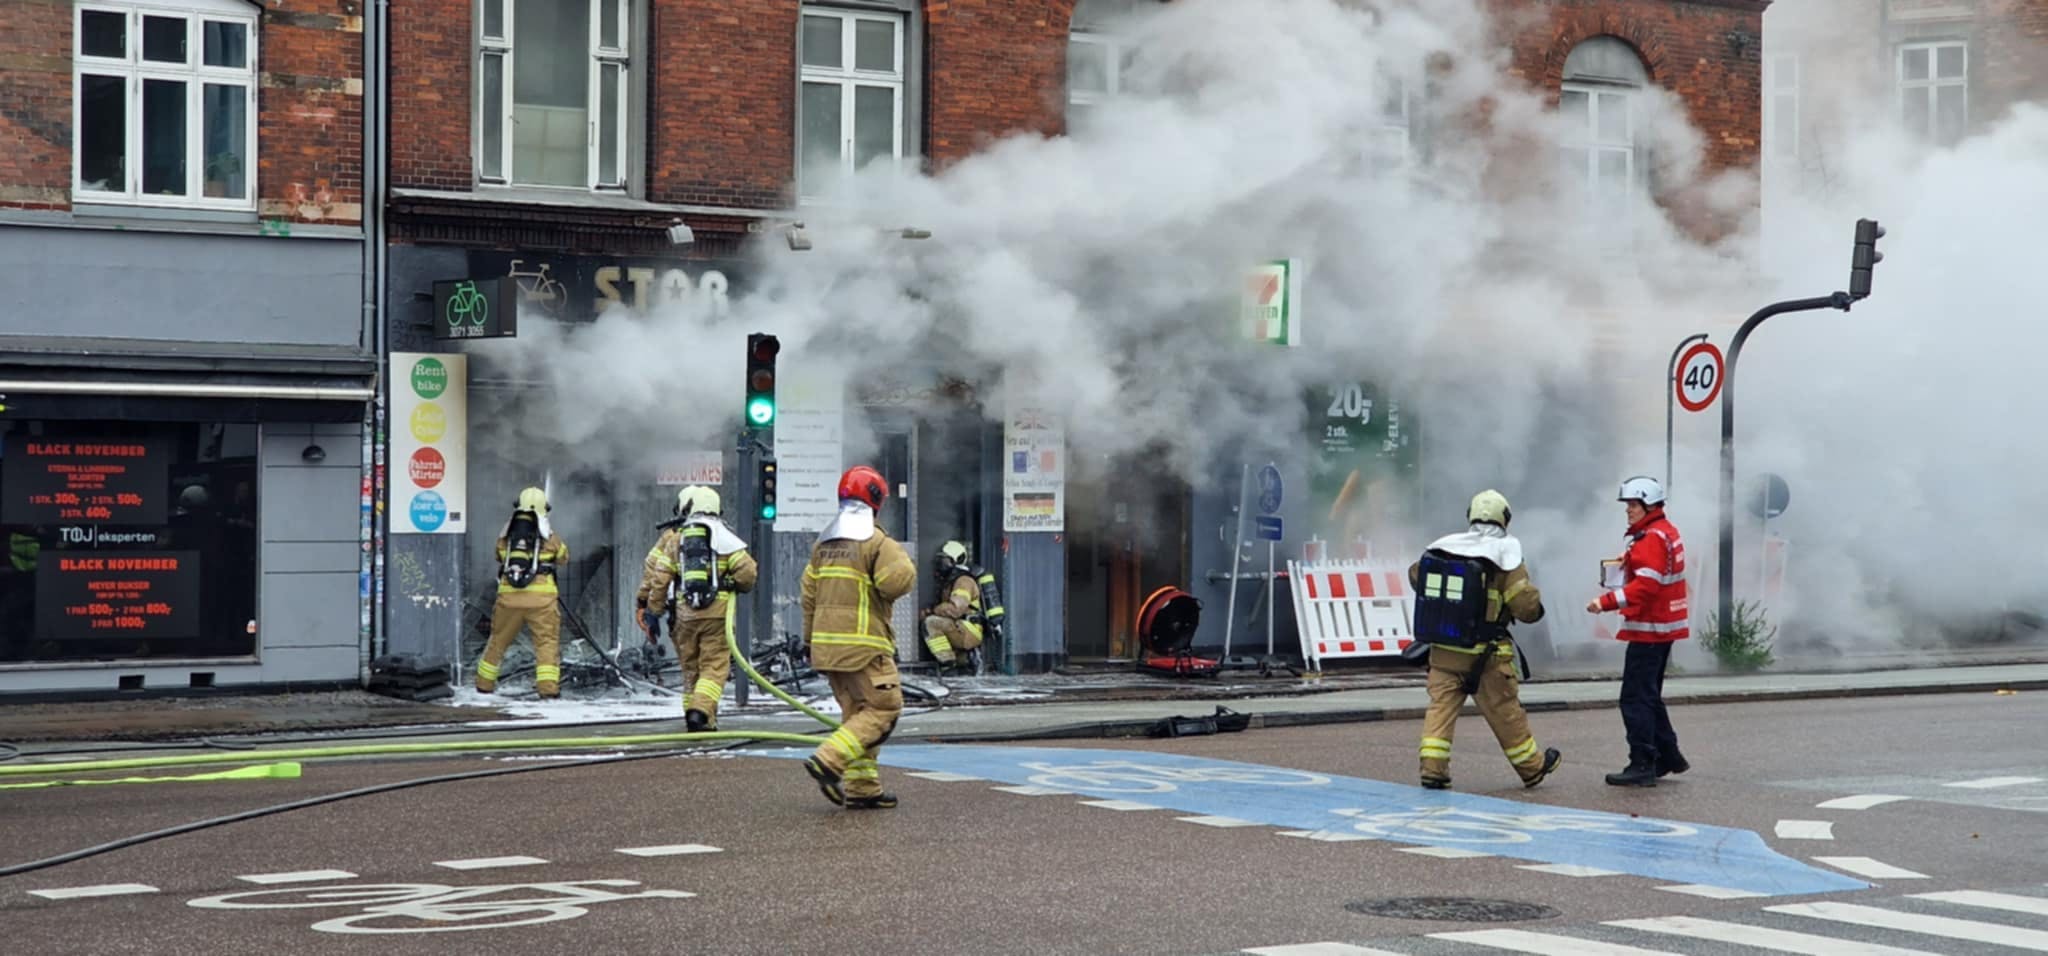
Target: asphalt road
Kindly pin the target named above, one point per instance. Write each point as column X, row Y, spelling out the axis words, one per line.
column 1153, row 846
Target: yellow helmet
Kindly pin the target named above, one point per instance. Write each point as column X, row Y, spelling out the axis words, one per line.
column 1489, row 506
column 534, row 500
column 697, row 500
column 954, row 551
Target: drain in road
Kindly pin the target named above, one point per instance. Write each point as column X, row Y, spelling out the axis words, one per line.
column 1460, row 909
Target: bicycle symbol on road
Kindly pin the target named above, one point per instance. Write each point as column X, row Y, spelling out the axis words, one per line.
column 467, row 304
column 1125, row 776
column 436, row 907
column 1452, row 825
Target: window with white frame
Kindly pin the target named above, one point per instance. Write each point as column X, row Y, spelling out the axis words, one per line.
column 1781, row 106
column 1097, row 58
column 552, row 92
column 1602, row 79
column 1389, row 145
column 851, row 107
column 164, row 104
column 1934, row 93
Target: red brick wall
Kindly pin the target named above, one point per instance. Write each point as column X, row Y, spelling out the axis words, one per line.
column 309, row 100
column 2010, row 62
column 724, row 121
column 997, row 67
column 432, row 105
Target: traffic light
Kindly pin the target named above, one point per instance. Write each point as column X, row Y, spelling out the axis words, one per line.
column 766, row 481
column 761, row 351
column 1868, row 232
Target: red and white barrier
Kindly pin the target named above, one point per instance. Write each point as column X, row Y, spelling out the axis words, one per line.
column 1350, row 609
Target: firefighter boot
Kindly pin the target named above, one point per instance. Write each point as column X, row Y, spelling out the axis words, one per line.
column 1551, row 757
column 974, row 661
column 1676, row 763
column 880, row 801
column 696, row 720
column 828, row 781
column 1637, row 774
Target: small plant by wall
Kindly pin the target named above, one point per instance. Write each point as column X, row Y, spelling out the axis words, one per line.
column 1745, row 644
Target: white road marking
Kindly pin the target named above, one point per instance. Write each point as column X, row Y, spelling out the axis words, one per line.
column 1219, row 821
column 1568, row 869
column 1710, row 892
column 489, row 862
column 1327, row 836
column 673, row 850
column 2030, row 905
column 1972, row 930
column 1118, row 805
column 1862, row 801
column 1806, row 830
column 1032, row 791
column 1445, row 852
column 1989, row 782
column 1318, row 949
column 943, row 776
column 1784, row 941
column 104, row 889
column 1545, row 944
column 1865, row 866
column 299, row 876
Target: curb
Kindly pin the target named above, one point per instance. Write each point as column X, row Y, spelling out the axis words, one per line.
column 1119, row 729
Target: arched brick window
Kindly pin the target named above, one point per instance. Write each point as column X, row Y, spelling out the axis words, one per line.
column 1604, row 80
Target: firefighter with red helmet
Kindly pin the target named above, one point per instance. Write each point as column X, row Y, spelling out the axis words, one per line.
column 856, row 573
column 1651, row 596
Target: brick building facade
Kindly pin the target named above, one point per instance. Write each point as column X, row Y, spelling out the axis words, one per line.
column 558, row 143
column 182, row 256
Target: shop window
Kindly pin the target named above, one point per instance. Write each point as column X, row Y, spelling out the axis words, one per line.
column 850, row 109
column 1097, row 58
column 127, row 541
column 1934, row 90
column 552, row 92
column 164, row 104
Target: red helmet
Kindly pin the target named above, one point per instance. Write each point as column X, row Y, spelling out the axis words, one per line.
column 863, row 484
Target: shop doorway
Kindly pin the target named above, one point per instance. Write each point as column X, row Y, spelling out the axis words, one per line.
column 1127, row 535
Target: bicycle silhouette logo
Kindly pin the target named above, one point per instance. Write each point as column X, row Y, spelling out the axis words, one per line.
column 467, row 304
column 1452, row 825
column 438, row 908
column 1127, row 776
column 538, row 286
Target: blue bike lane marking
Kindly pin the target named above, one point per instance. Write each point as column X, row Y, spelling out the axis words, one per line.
column 1681, row 852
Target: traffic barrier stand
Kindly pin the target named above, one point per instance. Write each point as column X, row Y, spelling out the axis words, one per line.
column 1351, row 609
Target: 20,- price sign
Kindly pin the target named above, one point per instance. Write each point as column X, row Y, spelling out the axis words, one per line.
column 1699, row 377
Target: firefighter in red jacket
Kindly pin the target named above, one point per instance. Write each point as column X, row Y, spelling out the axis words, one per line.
column 1651, row 597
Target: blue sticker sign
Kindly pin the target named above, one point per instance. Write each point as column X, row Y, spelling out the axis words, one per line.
column 428, row 510
column 1269, row 490
column 1329, row 806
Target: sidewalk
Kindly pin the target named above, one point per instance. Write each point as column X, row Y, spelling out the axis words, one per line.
column 1061, row 707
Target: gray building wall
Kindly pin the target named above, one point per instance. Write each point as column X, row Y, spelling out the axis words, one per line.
column 310, row 527
column 424, row 584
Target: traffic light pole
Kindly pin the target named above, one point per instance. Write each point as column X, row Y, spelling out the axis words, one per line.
column 1726, row 564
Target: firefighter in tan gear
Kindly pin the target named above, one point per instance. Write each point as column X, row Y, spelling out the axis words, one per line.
column 953, row 629
column 1468, row 587
column 705, row 561
column 529, row 552
column 856, row 573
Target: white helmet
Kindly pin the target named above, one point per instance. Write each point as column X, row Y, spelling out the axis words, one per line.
column 696, row 500
column 1642, row 488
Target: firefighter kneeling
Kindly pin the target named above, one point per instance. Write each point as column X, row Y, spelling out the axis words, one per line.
column 703, row 560
column 1467, row 588
column 968, row 607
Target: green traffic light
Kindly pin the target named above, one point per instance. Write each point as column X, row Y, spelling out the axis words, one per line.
column 760, row 410
column 767, row 511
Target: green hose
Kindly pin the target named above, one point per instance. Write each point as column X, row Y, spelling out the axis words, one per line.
column 361, row 750
column 732, row 643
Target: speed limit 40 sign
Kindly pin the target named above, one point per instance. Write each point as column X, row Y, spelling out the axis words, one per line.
column 1699, row 377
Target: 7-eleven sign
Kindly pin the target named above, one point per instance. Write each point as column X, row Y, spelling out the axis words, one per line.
column 1271, row 310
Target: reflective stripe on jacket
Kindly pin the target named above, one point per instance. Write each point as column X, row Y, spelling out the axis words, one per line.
column 849, row 590
column 665, row 564
column 1652, row 599
column 553, row 556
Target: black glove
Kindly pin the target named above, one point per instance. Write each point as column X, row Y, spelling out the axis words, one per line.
column 651, row 620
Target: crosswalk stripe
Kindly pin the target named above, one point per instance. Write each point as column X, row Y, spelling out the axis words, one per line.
column 1710, row 892
column 1805, row 830
column 1327, row 836
column 1784, row 941
column 1865, row 866
column 1972, row 930
column 2031, row 905
column 1219, row 821
column 104, row 889
column 1445, row 852
column 1568, row 869
column 1545, row 944
column 674, row 849
column 489, row 862
column 1318, row 949
column 298, row 876
column 1862, row 801
column 1119, row 805
column 1991, row 782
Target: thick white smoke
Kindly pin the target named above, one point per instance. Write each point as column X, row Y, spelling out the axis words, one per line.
column 1098, row 274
